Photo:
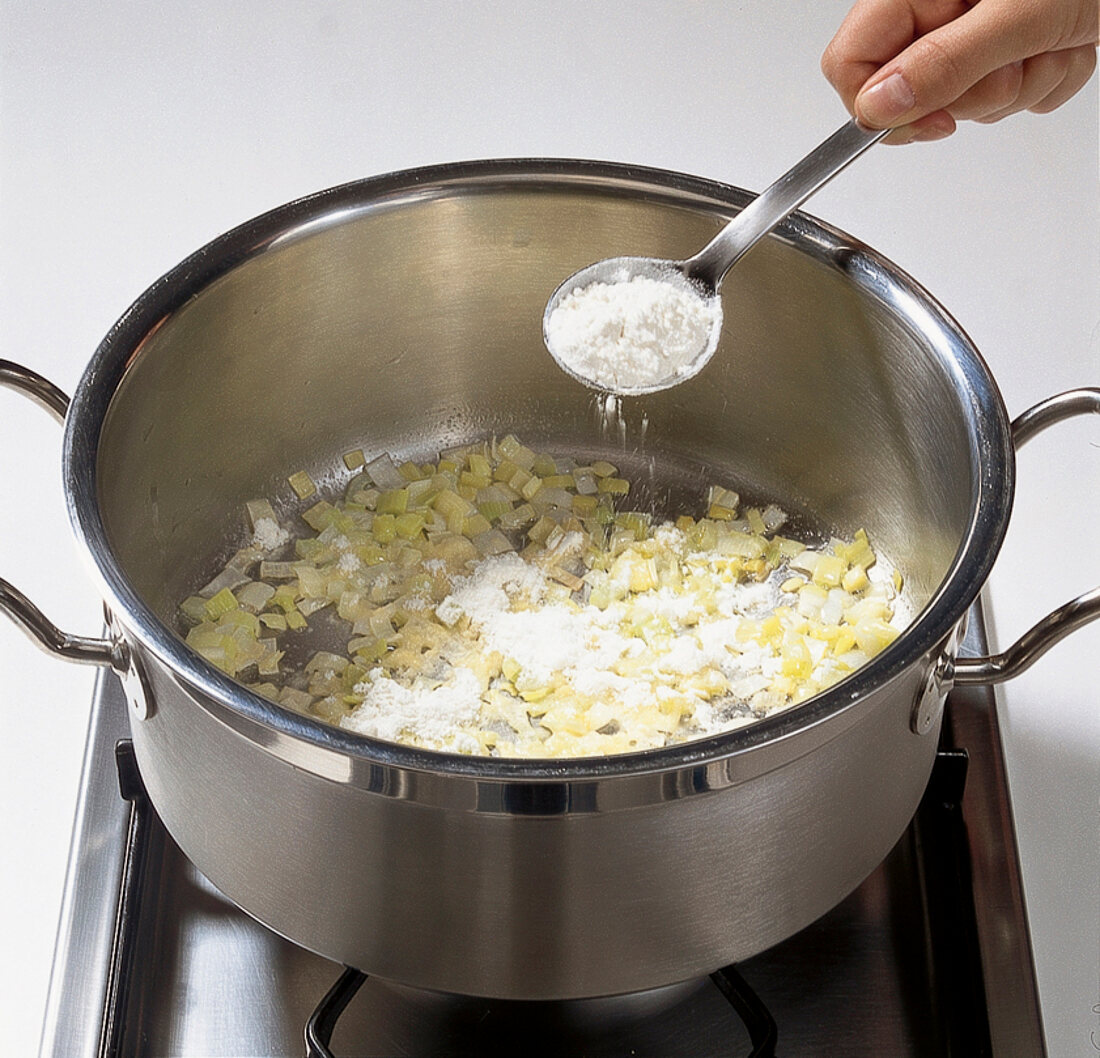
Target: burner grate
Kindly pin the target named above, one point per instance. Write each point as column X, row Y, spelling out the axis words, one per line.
column 750, row 1008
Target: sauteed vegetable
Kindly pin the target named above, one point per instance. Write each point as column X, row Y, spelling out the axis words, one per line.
column 508, row 602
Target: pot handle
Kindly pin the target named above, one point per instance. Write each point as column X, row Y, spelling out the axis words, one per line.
column 13, row 602
column 998, row 668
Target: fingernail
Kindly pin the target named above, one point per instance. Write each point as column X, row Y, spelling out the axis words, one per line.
column 882, row 104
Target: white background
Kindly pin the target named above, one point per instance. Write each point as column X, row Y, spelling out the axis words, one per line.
column 133, row 132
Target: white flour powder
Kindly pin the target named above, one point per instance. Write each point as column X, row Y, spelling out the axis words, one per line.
column 505, row 600
column 268, row 535
column 541, row 639
column 434, row 713
column 631, row 334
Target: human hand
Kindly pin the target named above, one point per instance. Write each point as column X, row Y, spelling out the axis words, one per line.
column 919, row 66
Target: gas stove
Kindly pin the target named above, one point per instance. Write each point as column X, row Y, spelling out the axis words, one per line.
column 929, row 956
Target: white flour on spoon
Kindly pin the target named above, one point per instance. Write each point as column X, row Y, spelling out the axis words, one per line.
column 631, row 334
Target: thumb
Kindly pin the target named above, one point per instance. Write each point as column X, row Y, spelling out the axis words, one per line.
column 939, row 67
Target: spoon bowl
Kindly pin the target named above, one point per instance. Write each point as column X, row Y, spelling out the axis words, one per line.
column 615, row 270
column 701, row 275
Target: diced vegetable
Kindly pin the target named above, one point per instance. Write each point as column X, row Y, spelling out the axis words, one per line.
column 302, row 484
column 715, row 619
column 384, row 473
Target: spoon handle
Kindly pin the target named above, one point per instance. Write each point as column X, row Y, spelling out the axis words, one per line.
column 765, row 211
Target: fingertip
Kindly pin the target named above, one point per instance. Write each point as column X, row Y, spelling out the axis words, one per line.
column 933, row 133
column 937, row 126
column 885, row 102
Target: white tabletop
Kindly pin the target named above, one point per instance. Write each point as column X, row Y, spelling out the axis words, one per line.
column 130, row 134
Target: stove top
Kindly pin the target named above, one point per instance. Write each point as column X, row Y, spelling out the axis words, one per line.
column 930, row 955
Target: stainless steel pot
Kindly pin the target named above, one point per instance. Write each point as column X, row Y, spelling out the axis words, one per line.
column 402, row 313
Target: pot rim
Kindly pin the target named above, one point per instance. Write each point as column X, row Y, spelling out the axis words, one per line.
column 987, row 423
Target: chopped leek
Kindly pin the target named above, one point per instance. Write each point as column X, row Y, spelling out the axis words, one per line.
column 384, row 473
column 220, row 604
column 379, row 565
column 302, row 484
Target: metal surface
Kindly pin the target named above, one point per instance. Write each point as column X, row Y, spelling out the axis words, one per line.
column 992, row 866
column 833, row 155
column 755, row 1017
column 13, row 602
column 929, row 956
column 538, row 890
column 509, row 878
column 153, row 495
column 75, row 1007
column 705, row 270
column 84, row 650
column 1055, row 626
column 1032, row 645
column 40, row 389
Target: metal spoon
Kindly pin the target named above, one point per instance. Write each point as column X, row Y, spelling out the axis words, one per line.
column 703, row 273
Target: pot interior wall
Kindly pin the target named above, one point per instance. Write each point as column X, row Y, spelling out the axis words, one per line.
column 414, row 323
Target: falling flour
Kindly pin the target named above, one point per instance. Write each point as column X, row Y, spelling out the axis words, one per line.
column 629, row 335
